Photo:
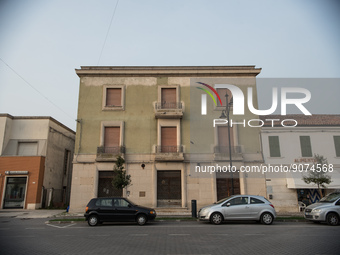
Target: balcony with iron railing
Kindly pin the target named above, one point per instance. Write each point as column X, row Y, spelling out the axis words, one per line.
column 221, row 153
column 168, row 110
column 169, row 153
column 109, row 153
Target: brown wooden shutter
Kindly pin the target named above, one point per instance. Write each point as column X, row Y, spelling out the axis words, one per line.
column 112, row 137
column 168, row 98
column 223, row 141
column 113, row 97
column 221, row 92
column 169, row 139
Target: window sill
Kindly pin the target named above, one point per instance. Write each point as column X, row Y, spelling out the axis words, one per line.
column 113, row 108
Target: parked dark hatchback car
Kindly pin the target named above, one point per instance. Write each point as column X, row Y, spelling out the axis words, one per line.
column 119, row 209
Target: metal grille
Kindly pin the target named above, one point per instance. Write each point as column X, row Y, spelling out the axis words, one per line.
column 105, row 188
column 168, row 105
column 169, row 188
column 225, row 149
column 223, row 186
column 169, row 149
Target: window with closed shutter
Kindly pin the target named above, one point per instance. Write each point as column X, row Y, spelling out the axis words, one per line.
column 223, row 140
column 112, row 139
column 168, row 139
column 274, row 146
column 306, row 147
column 168, row 98
column 222, row 92
column 113, row 97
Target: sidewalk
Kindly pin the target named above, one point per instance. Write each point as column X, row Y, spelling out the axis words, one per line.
column 29, row 214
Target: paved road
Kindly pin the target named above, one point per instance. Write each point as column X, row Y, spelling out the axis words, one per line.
column 34, row 236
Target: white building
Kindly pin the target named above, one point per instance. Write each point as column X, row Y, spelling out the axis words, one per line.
column 295, row 148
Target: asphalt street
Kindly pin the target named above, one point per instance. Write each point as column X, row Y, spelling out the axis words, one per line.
column 36, row 236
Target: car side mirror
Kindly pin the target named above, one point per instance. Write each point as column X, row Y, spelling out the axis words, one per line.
column 227, row 205
column 129, row 205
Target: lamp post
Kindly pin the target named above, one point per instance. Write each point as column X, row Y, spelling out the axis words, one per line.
column 223, row 115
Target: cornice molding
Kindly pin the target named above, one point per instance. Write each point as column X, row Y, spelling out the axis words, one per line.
column 169, row 71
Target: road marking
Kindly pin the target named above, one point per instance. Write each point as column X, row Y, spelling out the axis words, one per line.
column 254, row 234
column 179, row 234
column 17, row 236
column 55, row 226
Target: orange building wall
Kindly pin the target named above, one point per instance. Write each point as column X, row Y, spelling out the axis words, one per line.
column 35, row 167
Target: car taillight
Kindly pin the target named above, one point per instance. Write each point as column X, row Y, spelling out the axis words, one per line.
column 86, row 209
column 272, row 206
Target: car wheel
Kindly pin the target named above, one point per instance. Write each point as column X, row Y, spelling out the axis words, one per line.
column 267, row 218
column 216, row 218
column 93, row 220
column 141, row 219
column 332, row 219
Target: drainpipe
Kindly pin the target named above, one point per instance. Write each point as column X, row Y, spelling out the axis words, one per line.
column 80, row 134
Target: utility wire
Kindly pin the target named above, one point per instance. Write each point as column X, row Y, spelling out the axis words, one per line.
column 107, row 33
column 29, row 84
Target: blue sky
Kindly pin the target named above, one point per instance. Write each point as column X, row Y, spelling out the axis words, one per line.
column 44, row 41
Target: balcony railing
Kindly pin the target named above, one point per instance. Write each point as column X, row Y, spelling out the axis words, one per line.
column 168, row 105
column 221, row 153
column 225, row 150
column 168, row 110
column 109, row 153
column 169, row 153
column 169, row 149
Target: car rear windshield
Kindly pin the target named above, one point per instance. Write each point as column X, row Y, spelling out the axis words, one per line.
column 330, row 198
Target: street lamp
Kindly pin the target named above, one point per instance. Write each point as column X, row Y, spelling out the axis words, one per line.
column 223, row 116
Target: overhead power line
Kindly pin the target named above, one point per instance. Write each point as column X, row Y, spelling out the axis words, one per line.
column 40, row 93
column 107, row 33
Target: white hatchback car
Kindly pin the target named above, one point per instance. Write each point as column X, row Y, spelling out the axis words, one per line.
column 239, row 207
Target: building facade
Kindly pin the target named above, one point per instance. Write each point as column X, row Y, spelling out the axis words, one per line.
column 295, row 147
column 35, row 162
column 151, row 116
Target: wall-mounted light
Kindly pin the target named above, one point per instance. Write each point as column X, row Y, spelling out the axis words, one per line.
column 142, row 165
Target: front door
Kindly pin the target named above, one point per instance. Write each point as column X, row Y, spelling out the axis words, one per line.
column 169, row 188
column 224, row 184
column 105, row 187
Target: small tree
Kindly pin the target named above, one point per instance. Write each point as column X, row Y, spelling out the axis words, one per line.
column 317, row 173
column 121, row 179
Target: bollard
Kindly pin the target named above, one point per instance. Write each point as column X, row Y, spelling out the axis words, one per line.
column 194, row 208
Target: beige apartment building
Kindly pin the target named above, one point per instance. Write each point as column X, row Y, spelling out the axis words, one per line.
column 153, row 118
